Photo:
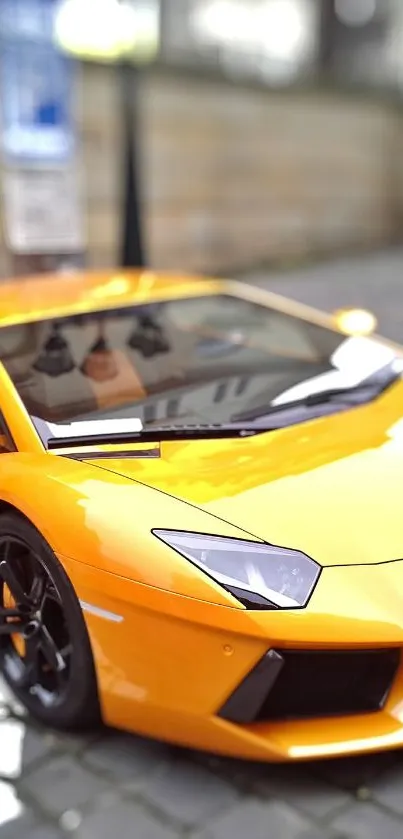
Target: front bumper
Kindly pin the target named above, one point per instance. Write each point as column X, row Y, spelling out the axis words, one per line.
column 171, row 668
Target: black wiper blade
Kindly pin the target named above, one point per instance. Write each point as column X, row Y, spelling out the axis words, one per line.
column 149, row 435
column 370, row 387
column 347, row 394
column 366, row 390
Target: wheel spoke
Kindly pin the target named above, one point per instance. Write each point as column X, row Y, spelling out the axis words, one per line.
column 52, row 654
column 9, row 578
column 9, row 629
column 38, row 590
column 5, row 550
column 15, row 620
column 62, row 673
column 31, row 607
column 31, row 675
column 51, row 592
column 12, row 612
column 66, row 652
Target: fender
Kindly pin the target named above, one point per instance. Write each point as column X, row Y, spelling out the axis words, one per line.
column 104, row 520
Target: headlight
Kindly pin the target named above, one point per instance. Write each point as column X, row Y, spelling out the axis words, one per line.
column 260, row 576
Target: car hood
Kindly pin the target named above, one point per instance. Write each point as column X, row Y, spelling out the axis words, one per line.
column 331, row 487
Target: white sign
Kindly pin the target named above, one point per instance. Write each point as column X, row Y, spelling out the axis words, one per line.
column 42, row 211
column 96, row 427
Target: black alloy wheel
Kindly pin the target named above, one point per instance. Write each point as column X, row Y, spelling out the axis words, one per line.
column 45, row 652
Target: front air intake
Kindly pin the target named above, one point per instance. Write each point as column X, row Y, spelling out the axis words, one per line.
column 303, row 684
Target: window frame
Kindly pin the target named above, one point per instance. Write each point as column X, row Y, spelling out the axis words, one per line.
column 5, row 431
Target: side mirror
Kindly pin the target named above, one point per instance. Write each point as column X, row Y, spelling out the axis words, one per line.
column 355, row 322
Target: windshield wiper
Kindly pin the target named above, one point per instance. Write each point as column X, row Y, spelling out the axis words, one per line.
column 365, row 391
column 265, row 418
column 279, row 417
column 150, row 435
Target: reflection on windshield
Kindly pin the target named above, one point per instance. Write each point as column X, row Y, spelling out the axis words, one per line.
column 99, row 364
column 353, row 361
column 55, row 357
column 195, row 360
column 148, row 337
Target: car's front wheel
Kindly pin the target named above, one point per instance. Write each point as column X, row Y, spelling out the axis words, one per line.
column 45, row 652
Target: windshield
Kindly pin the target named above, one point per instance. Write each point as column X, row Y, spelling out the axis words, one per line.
column 194, row 360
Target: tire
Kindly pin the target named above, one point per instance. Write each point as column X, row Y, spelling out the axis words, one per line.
column 75, row 705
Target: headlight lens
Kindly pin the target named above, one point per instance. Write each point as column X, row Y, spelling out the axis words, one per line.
column 258, row 575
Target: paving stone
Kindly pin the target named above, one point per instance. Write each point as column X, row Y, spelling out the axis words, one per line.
column 124, row 758
column 41, row 832
column 5, row 693
column 317, row 832
column 15, row 818
column 20, row 828
column 239, row 773
column 124, row 819
column 365, row 821
column 347, row 282
column 298, row 788
column 355, row 772
column 255, row 820
column 74, row 744
column 7, row 698
column 12, row 743
column 188, row 793
column 62, row 785
column 71, row 820
column 388, row 789
column 20, row 747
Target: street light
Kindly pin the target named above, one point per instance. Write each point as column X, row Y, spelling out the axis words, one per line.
column 124, row 33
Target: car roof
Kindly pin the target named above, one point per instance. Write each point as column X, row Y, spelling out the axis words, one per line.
column 46, row 296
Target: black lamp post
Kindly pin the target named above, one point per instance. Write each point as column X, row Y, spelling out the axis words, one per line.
column 132, row 245
column 327, row 37
column 128, row 56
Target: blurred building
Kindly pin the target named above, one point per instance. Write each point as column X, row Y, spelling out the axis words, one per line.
column 270, row 129
column 280, row 42
column 274, row 42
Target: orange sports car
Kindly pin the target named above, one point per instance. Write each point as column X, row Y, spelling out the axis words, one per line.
column 200, row 536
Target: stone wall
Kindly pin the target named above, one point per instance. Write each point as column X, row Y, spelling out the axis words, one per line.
column 235, row 176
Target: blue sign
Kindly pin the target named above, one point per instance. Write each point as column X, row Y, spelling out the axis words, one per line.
column 36, row 85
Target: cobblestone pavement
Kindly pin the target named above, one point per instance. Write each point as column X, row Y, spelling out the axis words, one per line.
column 111, row 784
column 374, row 281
